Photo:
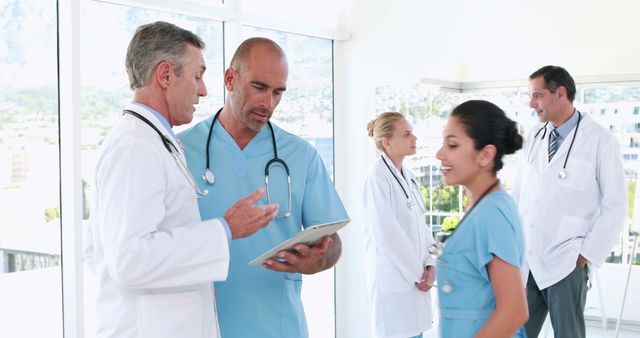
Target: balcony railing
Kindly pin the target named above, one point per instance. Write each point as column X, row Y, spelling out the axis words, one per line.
column 18, row 260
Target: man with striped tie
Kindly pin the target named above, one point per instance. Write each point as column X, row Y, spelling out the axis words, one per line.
column 572, row 199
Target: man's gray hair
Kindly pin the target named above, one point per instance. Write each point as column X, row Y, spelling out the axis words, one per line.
column 154, row 43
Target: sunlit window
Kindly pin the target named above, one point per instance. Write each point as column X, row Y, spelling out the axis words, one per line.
column 306, row 110
column 307, row 106
column 30, row 276
column 427, row 107
column 613, row 106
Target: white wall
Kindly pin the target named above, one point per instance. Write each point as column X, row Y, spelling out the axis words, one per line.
column 353, row 102
column 612, row 279
column 489, row 40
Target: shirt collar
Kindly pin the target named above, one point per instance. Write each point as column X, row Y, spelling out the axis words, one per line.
column 565, row 128
column 159, row 116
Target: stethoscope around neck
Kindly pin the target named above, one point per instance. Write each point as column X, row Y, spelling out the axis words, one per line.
column 171, row 148
column 562, row 174
column 209, row 178
column 410, row 203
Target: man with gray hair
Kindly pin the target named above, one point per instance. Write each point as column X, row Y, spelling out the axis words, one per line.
column 154, row 256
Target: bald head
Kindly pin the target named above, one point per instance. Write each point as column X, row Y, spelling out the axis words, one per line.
column 255, row 81
column 242, row 54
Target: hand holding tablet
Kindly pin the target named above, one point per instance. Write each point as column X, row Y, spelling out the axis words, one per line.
column 308, row 236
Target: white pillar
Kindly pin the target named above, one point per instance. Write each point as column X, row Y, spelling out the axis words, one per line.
column 70, row 168
column 354, row 106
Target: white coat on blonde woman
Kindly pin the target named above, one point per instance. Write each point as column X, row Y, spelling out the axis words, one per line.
column 396, row 252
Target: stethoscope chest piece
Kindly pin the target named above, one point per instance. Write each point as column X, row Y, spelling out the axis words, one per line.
column 562, row 174
column 446, row 288
column 410, row 203
column 209, row 177
column 436, row 250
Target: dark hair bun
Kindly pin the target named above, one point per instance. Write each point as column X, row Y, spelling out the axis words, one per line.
column 513, row 139
column 487, row 124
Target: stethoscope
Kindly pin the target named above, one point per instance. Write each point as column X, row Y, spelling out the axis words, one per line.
column 210, row 178
column 171, row 148
column 410, row 203
column 436, row 249
column 562, row 174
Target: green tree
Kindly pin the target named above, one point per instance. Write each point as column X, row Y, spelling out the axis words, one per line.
column 51, row 213
column 445, row 197
column 450, row 222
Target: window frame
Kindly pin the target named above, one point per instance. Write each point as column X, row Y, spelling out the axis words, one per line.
column 68, row 17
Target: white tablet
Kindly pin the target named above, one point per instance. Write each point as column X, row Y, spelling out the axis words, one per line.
column 308, row 236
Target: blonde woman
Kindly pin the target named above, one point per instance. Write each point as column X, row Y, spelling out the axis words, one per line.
column 399, row 272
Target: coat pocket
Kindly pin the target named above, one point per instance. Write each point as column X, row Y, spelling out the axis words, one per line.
column 571, row 228
column 568, row 240
column 578, row 172
column 170, row 315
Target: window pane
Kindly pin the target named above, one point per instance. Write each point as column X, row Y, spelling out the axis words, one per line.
column 515, row 103
column 428, row 108
column 30, row 278
column 307, row 106
column 307, row 111
column 616, row 108
column 106, row 30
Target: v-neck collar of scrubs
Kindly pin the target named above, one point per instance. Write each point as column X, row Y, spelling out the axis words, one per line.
column 253, row 148
column 260, row 145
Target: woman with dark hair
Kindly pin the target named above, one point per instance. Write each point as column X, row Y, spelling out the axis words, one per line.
column 480, row 290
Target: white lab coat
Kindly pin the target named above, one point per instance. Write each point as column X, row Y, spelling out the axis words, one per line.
column 155, row 259
column 582, row 214
column 396, row 243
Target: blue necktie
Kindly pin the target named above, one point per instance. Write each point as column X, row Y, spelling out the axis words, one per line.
column 553, row 143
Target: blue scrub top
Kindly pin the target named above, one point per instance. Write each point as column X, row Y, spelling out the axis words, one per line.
column 254, row 301
column 492, row 228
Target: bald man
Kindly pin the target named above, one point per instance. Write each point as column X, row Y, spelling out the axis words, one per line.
column 263, row 301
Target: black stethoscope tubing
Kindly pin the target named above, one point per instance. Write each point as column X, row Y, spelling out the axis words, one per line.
column 275, row 158
column 566, row 158
column 409, row 203
column 176, row 155
column 209, row 177
column 573, row 139
column 165, row 140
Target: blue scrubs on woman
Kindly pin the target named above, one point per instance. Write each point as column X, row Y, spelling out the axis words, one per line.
column 255, row 301
column 492, row 229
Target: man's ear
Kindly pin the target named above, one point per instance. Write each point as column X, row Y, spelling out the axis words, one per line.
column 229, row 78
column 163, row 74
column 561, row 91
